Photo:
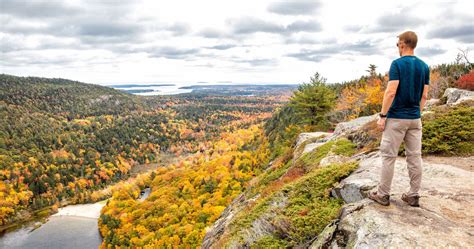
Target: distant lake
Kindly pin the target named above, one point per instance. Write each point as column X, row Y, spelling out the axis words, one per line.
column 152, row 89
column 170, row 89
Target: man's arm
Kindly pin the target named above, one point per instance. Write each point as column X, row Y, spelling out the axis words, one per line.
column 424, row 97
column 389, row 95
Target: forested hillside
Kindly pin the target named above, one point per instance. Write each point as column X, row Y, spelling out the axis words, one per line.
column 62, row 140
column 70, row 99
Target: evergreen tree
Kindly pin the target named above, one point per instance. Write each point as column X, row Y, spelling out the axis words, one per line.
column 372, row 70
column 312, row 101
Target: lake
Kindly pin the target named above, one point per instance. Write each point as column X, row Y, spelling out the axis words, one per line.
column 74, row 226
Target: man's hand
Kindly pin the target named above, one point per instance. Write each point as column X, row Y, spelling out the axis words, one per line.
column 381, row 123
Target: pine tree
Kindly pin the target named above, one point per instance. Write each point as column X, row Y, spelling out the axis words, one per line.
column 312, row 101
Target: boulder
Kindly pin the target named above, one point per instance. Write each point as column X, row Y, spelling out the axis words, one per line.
column 308, row 141
column 354, row 190
column 430, row 103
column 456, row 96
column 351, row 126
column 305, row 136
column 311, row 146
column 333, row 159
column 325, row 237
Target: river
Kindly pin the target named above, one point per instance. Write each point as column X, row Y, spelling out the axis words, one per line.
column 73, row 226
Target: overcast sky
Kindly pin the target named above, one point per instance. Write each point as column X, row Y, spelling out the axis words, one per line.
column 244, row 41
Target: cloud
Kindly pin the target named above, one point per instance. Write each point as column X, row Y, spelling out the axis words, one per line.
column 302, row 40
column 55, row 18
column 429, row 52
column 396, row 22
column 258, row 62
column 102, row 29
column 318, row 55
column 92, row 31
column 249, row 25
column 353, row 28
column 308, row 26
column 297, row 7
column 13, row 43
column 38, row 9
column 27, row 58
column 222, row 46
column 171, row 52
column 309, row 55
column 462, row 33
column 309, row 38
column 362, row 47
column 179, row 28
column 211, row 33
column 102, row 25
column 38, row 34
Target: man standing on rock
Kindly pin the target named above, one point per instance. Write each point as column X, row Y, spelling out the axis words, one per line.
column 400, row 119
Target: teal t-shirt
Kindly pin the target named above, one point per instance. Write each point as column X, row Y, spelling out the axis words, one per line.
column 412, row 74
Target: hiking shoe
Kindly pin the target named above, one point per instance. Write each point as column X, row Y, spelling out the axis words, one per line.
column 382, row 200
column 411, row 200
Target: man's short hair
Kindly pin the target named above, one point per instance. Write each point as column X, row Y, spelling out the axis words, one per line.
column 409, row 38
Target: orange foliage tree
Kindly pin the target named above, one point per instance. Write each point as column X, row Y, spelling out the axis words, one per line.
column 466, row 81
column 363, row 98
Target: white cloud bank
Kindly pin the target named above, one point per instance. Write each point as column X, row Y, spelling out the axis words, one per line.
column 243, row 41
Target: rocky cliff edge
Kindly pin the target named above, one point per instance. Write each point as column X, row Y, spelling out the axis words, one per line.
column 445, row 218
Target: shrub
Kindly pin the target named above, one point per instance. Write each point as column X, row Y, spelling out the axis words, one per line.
column 450, row 132
column 466, row 81
column 310, row 207
column 269, row 242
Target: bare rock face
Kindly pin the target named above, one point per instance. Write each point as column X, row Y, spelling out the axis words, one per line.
column 262, row 226
column 351, row 126
column 214, row 233
column 332, row 159
column 444, row 220
column 308, row 141
column 430, row 103
column 456, row 96
column 302, row 137
column 311, row 146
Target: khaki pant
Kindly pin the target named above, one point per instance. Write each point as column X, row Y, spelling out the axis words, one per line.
column 397, row 130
